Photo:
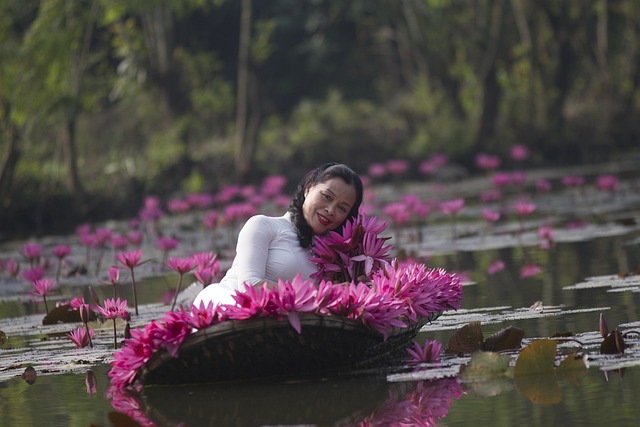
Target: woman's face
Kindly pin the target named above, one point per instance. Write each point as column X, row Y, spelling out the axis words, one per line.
column 327, row 204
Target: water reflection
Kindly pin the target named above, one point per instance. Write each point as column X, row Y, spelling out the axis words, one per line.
column 352, row 402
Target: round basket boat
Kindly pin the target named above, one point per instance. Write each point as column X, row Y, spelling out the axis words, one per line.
column 270, row 347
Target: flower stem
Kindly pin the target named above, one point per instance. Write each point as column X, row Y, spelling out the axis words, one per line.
column 46, row 307
column 115, row 341
column 175, row 297
column 135, row 296
column 86, row 326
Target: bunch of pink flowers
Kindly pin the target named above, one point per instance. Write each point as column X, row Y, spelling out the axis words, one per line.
column 398, row 295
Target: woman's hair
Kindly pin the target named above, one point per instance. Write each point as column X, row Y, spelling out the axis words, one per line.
column 317, row 176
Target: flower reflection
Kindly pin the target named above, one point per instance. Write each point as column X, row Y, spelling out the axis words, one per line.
column 423, row 404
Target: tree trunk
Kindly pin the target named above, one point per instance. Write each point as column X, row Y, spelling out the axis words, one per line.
column 8, row 167
column 242, row 92
column 74, row 185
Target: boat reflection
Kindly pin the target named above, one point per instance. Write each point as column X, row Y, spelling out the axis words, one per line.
column 353, row 401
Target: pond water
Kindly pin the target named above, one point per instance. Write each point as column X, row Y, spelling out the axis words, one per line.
column 591, row 268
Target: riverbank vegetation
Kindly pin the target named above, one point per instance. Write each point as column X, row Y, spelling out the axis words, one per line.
column 103, row 102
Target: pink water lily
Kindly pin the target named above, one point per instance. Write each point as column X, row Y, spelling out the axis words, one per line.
column 43, row 287
column 181, row 266
column 112, row 310
column 427, row 353
column 131, row 259
column 31, row 251
column 293, row 297
column 80, row 337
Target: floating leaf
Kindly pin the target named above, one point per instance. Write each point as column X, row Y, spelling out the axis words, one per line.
column 485, row 365
column 509, row 338
column 62, row 314
column 613, row 343
column 565, row 334
column 29, row 375
column 467, row 339
column 536, row 358
column 572, row 368
column 541, row 389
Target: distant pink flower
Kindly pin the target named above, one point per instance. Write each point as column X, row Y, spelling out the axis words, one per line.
column 397, row 166
column 529, row 270
column 200, row 200
column 79, row 336
column 428, row 353
column 135, row 237
column 167, row 243
column 427, row 167
column 31, row 252
column 572, row 181
column 487, row 162
column 519, row 152
column 490, row 215
column 397, row 213
column 543, row 186
column 523, row 209
column 495, row 267
column 452, row 207
column 491, row 195
column 501, row 179
column 151, row 210
column 61, row 251
column 518, row 178
column 32, row 274
column 547, row 237
column 178, row 206
column 210, row 220
column 377, row 170
column 13, row 267
column 576, row 224
column 607, row 182
column 273, row 185
column 43, row 287
column 239, row 212
column 119, row 242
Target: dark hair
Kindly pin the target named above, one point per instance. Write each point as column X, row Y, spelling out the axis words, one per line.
column 317, row 176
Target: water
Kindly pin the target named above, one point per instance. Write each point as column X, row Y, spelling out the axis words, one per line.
column 603, row 249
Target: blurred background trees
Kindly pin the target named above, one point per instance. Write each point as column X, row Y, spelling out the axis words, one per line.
column 103, row 101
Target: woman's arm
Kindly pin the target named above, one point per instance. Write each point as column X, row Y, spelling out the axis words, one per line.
column 252, row 249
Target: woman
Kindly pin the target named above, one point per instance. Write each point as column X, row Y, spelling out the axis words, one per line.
column 272, row 248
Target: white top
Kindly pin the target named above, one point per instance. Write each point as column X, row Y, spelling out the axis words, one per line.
column 268, row 249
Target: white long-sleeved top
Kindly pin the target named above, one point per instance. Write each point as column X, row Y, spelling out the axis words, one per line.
column 268, row 249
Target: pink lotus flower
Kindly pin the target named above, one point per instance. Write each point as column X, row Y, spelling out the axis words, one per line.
column 607, row 182
column 529, row 270
column 200, row 200
column 135, row 237
column 547, row 237
column 495, row 267
column 543, row 186
column 113, row 273
column 32, row 274
column 181, row 266
column 13, row 267
column 492, row 195
column 178, row 206
column 31, row 252
column 112, row 310
column 519, row 152
column 43, row 287
column 206, row 260
column 206, row 276
column 354, row 254
column 80, row 337
column 452, row 208
column 273, row 185
column 203, row 316
column 119, row 242
column 210, row 220
column 397, row 166
column 131, row 259
column 490, row 216
column 166, row 244
column 60, row 252
column 254, row 301
column 377, row 170
column 487, row 162
column 524, row 209
column 293, row 297
column 501, row 179
column 428, row 353
column 572, row 181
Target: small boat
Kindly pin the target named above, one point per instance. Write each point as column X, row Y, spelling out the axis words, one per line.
column 270, row 347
